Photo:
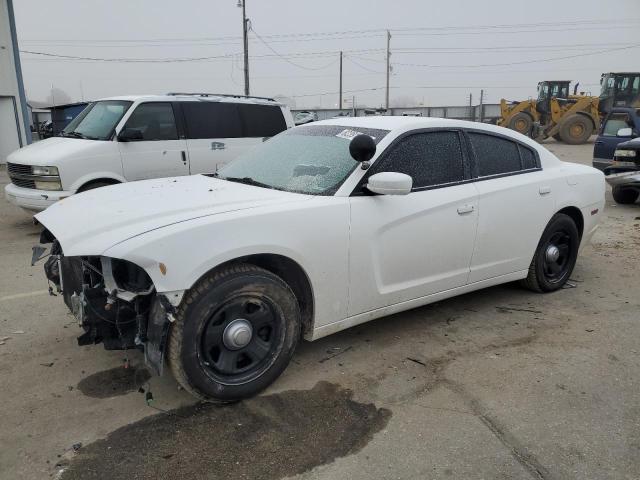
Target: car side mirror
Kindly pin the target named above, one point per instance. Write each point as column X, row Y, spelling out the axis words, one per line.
column 362, row 148
column 625, row 132
column 130, row 135
column 390, row 183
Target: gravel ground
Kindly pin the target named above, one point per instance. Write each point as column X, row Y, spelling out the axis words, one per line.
column 500, row 383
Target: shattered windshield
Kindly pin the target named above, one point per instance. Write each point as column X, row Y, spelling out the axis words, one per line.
column 97, row 121
column 311, row 159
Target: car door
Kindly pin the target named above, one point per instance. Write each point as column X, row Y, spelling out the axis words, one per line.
column 608, row 139
column 160, row 152
column 406, row 247
column 516, row 200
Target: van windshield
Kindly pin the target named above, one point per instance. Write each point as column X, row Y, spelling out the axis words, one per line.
column 98, row 121
column 311, row 159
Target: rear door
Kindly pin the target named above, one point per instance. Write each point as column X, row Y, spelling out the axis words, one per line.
column 409, row 246
column 608, row 139
column 516, row 200
column 160, row 153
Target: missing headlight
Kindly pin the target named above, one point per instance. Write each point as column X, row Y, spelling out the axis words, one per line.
column 130, row 277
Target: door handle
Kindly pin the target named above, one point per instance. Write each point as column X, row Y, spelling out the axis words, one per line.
column 184, row 157
column 544, row 190
column 600, row 142
column 465, row 209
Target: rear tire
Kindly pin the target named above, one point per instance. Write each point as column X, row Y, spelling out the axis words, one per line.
column 555, row 256
column 624, row 196
column 576, row 129
column 521, row 123
column 202, row 354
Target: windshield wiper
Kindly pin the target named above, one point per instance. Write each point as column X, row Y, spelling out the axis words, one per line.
column 245, row 180
column 72, row 134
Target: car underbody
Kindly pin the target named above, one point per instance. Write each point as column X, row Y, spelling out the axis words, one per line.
column 113, row 300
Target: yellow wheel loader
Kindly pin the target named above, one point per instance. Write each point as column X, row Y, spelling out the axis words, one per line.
column 555, row 113
column 619, row 90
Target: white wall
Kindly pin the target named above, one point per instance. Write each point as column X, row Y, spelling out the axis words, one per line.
column 14, row 130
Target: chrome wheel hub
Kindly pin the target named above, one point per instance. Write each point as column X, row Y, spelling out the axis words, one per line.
column 552, row 254
column 237, row 334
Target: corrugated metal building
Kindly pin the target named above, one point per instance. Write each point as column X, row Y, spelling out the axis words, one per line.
column 14, row 115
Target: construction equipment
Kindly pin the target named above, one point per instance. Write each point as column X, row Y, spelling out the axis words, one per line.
column 555, row 113
column 619, row 90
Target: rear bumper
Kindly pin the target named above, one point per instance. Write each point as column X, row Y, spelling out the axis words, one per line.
column 627, row 179
column 33, row 200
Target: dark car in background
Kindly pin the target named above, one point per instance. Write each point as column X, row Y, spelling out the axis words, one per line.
column 619, row 118
column 624, row 172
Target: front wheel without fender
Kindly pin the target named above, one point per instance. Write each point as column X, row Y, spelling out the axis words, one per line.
column 555, row 256
column 235, row 333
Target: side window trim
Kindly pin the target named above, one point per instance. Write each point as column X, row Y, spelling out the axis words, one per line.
column 360, row 190
column 474, row 160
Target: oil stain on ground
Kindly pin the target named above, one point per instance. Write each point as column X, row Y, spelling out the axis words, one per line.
column 266, row 437
column 114, row 382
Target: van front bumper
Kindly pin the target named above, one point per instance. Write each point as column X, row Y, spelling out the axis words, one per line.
column 33, row 200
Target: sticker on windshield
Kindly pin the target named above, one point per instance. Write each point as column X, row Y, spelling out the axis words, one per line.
column 350, row 134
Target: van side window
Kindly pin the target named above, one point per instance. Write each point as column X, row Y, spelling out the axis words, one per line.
column 262, row 120
column 212, row 120
column 155, row 120
column 495, row 155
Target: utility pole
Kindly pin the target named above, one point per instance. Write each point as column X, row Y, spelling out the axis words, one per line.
column 245, row 34
column 471, row 115
column 340, row 98
column 388, row 68
column 481, row 106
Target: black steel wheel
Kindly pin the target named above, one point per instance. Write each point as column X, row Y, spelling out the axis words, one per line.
column 234, row 334
column 555, row 256
column 624, row 196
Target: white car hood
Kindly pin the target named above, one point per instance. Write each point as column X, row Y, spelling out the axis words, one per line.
column 52, row 150
column 91, row 222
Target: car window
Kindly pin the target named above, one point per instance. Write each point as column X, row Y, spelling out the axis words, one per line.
column 262, row 120
column 528, row 157
column 154, row 120
column 615, row 122
column 432, row 158
column 495, row 155
column 212, row 120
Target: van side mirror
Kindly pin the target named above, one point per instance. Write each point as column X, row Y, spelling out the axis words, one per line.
column 130, row 135
column 625, row 132
column 390, row 183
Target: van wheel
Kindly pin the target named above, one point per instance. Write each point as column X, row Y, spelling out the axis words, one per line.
column 555, row 256
column 235, row 333
column 624, row 196
column 91, row 186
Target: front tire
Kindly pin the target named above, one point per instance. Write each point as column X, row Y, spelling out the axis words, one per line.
column 555, row 256
column 624, row 196
column 521, row 123
column 576, row 129
column 235, row 333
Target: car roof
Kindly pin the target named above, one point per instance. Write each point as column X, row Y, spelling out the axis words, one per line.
column 400, row 124
column 187, row 97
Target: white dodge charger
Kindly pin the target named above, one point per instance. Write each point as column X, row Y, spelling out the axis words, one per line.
column 323, row 227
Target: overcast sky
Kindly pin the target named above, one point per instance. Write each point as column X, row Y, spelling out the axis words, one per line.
column 514, row 34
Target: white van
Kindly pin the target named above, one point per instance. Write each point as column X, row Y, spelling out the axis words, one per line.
column 122, row 139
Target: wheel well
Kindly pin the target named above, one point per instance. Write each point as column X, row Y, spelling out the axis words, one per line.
column 292, row 274
column 576, row 216
column 108, row 181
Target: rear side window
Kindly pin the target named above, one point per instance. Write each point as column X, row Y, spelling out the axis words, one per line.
column 432, row 158
column 495, row 155
column 212, row 120
column 262, row 120
column 528, row 157
column 615, row 122
column 155, row 121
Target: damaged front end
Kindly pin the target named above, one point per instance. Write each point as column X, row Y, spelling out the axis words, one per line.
column 114, row 301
